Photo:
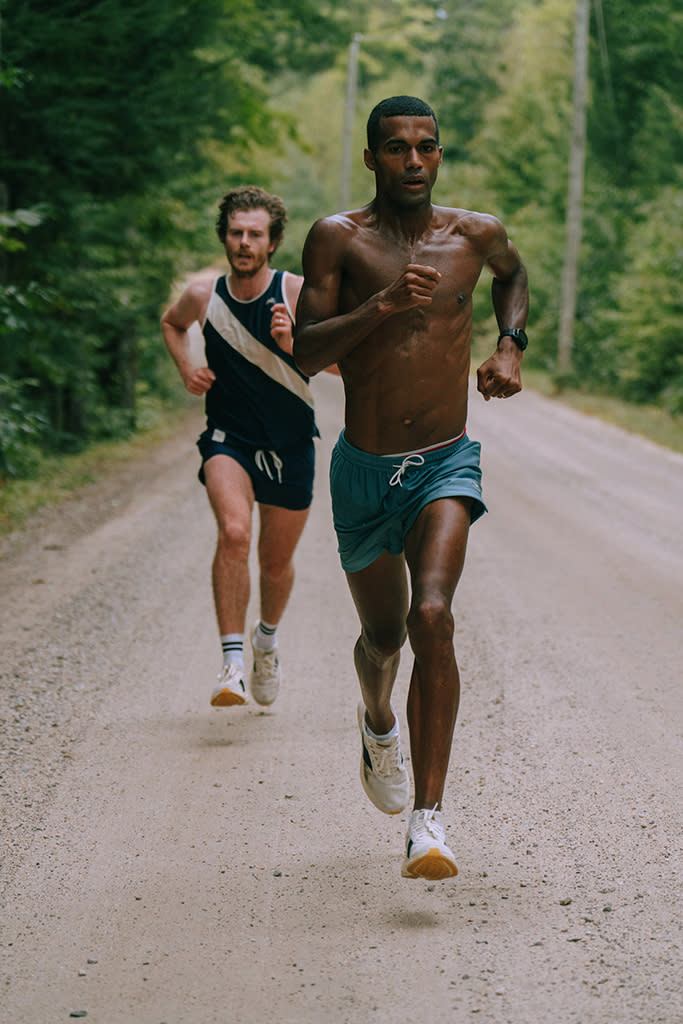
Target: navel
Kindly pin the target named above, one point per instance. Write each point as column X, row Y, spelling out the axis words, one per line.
column 461, row 298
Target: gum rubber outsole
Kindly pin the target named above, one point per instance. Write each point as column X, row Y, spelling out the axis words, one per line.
column 226, row 698
column 431, row 865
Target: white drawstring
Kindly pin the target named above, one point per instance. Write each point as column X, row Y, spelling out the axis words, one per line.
column 410, row 460
column 260, row 458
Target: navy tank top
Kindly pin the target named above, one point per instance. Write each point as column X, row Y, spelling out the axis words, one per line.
column 259, row 396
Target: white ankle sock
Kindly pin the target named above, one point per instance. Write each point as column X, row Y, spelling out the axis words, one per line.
column 385, row 737
column 233, row 649
column 265, row 636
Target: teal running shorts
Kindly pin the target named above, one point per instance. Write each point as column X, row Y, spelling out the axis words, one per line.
column 377, row 498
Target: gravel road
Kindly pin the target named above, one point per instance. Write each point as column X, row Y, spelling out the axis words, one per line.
column 163, row 862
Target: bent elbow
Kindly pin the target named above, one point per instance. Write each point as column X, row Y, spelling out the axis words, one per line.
column 306, row 366
column 304, row 361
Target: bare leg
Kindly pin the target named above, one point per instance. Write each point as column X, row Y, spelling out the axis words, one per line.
column 279, row 535
column 380, row 593
column 231, row 496
column 435, row 552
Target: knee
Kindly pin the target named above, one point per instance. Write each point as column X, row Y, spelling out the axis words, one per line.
column 234, row 540
column 430, row 620
column 381, row 644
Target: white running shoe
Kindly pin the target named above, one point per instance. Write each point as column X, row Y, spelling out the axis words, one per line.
column 382, row 771
column 264, row 681
column 230, row 689
column 427, row 855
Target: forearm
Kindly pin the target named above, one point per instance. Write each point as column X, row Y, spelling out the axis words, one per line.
column 319, row 344
column 510, row 298
column 177, row 342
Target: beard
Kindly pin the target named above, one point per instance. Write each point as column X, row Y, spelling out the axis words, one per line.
column 246, row 271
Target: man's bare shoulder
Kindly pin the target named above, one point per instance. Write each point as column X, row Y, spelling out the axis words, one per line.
column 193, row 301
column 199, row 286
column 331, row 239
column 483, row 228
column 337, row 225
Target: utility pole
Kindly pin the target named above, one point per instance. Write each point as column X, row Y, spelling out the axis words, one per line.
column 577, row 158
column 347, row 142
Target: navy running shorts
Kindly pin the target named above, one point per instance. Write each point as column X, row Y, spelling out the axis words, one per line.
column 377, row 498
column 282, row 478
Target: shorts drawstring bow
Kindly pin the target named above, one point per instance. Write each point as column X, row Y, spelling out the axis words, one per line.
column 410, row 460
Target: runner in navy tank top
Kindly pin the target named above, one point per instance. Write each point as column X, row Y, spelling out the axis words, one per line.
column 258, row 443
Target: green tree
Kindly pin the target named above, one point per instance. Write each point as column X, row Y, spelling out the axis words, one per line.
column 634, row 176
column 641, row 323
column 634, row 122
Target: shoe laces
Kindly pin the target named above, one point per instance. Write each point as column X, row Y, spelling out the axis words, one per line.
column 386, row 757
column 426, row 824
column 230, row 674
column 266, row 662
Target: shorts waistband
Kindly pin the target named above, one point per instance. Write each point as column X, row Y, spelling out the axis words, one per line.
column 430, row 447
column 429, row 454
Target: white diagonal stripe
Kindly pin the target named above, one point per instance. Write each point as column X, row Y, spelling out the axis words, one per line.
column 220, row 317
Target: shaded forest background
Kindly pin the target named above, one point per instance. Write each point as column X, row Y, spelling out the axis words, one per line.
column 122, row 125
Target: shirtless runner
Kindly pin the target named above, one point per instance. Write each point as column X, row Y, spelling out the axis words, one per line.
column 387, row 295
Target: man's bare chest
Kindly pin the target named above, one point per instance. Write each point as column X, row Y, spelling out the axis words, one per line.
column 375, row 263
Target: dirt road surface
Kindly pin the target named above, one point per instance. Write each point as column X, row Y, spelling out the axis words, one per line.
column 167, row 863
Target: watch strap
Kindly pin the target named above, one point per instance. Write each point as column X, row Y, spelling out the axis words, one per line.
column 518, row 336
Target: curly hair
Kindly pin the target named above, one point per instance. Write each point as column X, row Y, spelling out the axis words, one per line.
column 397, row 106
column 251, row 197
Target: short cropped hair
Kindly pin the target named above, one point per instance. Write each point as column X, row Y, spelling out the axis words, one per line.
column 251, row 197
column 398, row 106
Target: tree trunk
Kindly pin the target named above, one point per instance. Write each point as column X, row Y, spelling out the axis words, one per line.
column 577, row 157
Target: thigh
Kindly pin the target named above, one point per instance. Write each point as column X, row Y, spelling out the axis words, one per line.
column 435, row 547
column 230, row 491
column 279, row 533
column 380, row 594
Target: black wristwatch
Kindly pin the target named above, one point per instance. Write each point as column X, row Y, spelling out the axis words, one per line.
column 518, row 336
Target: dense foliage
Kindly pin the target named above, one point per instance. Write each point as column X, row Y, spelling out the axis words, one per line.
column 121, row 124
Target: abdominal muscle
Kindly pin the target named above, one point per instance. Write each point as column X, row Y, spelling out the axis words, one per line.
column 405, row 403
